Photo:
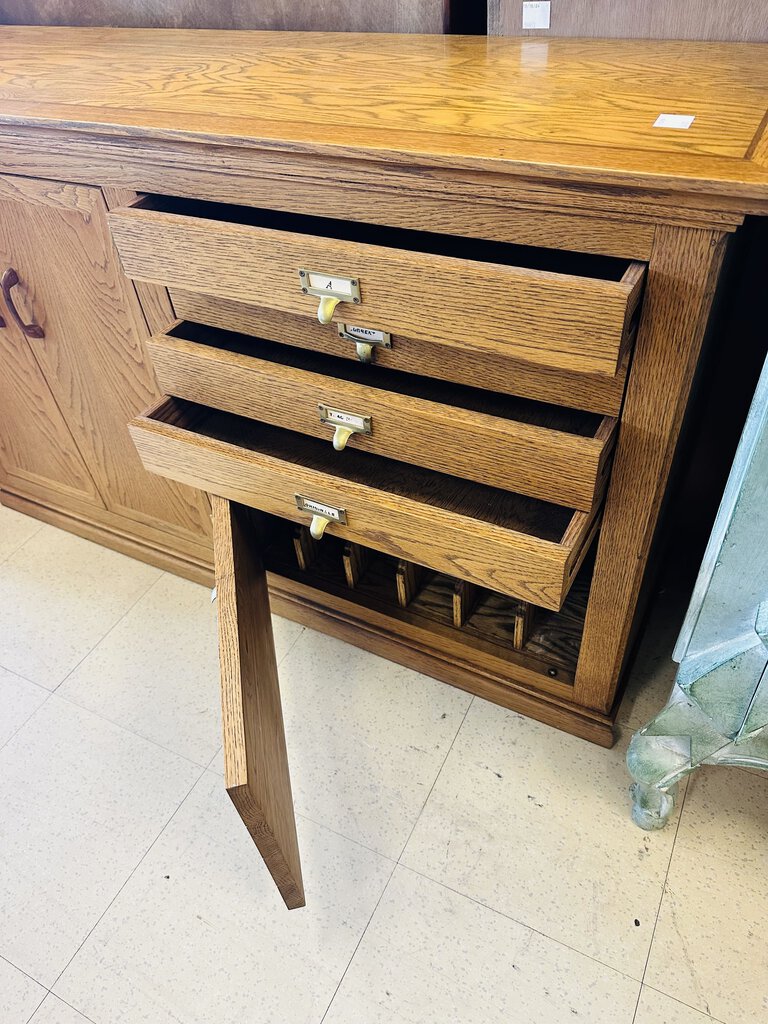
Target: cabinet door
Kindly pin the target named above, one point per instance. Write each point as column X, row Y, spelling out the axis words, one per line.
column 38, row 455
column 93, row 356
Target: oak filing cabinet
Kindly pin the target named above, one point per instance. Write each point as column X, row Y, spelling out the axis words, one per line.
column 425, row 313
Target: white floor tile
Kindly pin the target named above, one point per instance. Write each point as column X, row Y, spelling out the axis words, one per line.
column 200, row 935
column 157, row 672
column 655, row 1008
column 431, row 956
column 54, row 1011
column 18, row 700
column 19, row 995
column 710, row 950
column 82, row 801
column 15, row 529
column 366, row 739
column 59, row 594
column 537, row 825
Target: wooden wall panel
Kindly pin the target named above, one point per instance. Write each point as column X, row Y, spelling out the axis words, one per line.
column 739, row 20
column 327, row 15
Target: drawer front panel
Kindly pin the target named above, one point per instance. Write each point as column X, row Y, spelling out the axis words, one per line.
column 549, row 319
column 182, row 445
column 593, row 392
column 528, row 458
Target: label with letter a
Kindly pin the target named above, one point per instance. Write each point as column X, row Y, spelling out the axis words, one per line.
column 334, row 285
column 316, row 508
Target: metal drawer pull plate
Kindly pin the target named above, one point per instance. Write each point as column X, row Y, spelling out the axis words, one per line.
column 321, row 514
column 9, row 280
column 330, row 289
column 365, row 339
column 346, row 424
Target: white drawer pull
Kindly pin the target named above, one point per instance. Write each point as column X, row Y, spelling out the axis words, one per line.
column 317, row 527
column 330, row 289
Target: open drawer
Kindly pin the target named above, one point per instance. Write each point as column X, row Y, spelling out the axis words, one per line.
column 555, row 309
column 515, row 545
column 556, row 454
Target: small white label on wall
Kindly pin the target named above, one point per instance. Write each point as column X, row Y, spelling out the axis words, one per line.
column 536, row 14
column 674, row 121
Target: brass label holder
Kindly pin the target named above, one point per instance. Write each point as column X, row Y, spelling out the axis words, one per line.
column 331, row 289
column 346, row 424
column 321, row 513
column 365, row 338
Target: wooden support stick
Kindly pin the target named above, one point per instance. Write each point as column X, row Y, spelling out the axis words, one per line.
column 524, row 617
column 408, row 577
column 305, row 547
column 255, row 760
column 465, row 598
column 356, row 559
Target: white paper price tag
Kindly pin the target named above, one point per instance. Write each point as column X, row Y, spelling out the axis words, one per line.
column 536, row 14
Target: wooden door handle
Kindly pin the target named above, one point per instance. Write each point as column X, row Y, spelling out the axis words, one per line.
column 9, row 280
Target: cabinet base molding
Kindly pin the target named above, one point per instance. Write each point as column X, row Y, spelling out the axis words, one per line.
column 415, row 648
column 367, row 629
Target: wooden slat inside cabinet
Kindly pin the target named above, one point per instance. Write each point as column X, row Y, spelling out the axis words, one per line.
column 255, row 758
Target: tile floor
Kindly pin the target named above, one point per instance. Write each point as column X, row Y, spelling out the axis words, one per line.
column 463, row 865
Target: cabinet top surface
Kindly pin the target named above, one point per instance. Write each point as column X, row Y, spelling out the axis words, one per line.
column 574, row 109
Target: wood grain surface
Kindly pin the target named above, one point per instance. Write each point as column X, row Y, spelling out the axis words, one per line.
column 736, row 20
column 515, row 445
column 595, row 392
column 682, row 277
column 323, row 15
column 509, row 543
column 542, row 316
column 255, row 759
column 569, row 109
column 93, row 354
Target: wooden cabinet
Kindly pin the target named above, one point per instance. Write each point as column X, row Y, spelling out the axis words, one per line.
column 539, row 255
column 72, row 381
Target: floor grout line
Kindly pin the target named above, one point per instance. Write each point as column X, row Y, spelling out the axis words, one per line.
column 111, row 629
column 661, row 899
column 396, row 864
column 523, row 924
column 434, row 782
column 26, row 540
column 708, row 1016
column 31, row 1020
column 25, row 973
column 133, row 871
column 359, row 942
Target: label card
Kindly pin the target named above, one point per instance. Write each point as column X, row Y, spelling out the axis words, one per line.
column 536, row 14
column 346, row 419
column 338, row 515
column 333, row 285
column 364, row 333
column 680, row 121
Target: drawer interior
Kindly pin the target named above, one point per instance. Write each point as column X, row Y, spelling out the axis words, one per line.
column 551, row 647
column 557, row 261
column 488, row 504
column 523, row 410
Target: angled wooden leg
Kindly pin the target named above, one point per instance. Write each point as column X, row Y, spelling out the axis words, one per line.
column 681, row 279
column 255, row 759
